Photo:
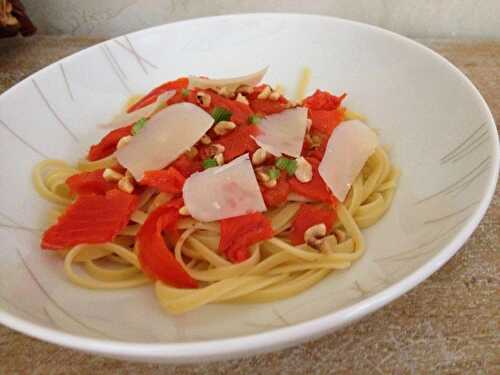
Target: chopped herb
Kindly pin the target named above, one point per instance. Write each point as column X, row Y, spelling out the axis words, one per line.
column 185, row 92
column 221, row 114
column 254, row 119
column 288, row 165
column 209, row 163
column 273, row 173
column 281, row 163
column 291, row 167
column 136, row 128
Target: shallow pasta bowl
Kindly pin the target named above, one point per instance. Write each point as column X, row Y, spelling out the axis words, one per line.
column 439, row 129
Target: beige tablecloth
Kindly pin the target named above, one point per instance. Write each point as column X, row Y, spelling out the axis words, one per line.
column 448, row 324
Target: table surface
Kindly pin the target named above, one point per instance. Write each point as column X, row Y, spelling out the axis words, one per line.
column 448, row 324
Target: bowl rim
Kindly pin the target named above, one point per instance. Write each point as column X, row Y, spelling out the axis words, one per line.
column 277, row 338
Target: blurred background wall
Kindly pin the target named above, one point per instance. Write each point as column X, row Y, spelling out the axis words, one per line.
column 415, row 18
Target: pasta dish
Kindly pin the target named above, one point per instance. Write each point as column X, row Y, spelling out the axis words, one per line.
column 218, row 191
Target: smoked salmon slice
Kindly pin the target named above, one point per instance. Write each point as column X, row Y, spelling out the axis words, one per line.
column 91, row 219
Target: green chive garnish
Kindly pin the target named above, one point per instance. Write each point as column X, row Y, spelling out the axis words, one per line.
column 288, row 165
column 185, row 92
column 221, row 114
column 254, row 119
column 136, row 128
column 291, row 167
column 209, row 163
column 273, row 173
column 281, row 163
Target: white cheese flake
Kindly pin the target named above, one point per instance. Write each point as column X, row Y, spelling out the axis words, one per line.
column 348, row 149
column 223, row 192
column 164, row 137
column 230, row 83
column 284, row 132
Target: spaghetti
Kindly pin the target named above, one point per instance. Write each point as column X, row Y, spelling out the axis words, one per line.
column 274, row 268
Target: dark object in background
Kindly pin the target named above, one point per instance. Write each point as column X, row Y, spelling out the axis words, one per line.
column 14, row 20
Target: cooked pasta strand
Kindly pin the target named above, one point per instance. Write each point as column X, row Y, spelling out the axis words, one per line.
column 275, row 269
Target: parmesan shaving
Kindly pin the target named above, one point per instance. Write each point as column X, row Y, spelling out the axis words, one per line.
column 230, row 83
column 223, row 192
column 347, row 151
column 169, row 133
column 283, row 133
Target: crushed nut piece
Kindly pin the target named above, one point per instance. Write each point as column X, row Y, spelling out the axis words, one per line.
column 262, row 176
column 125, row 184
column 242, row 99
column 111, row 175
column 183, row 211
column 192, row 152
column 264, row 94
column 223, row 127
column 206, row 140
column 214, row 149
column 224, row 91
column 122, row 142
column 293, row 103
column 219, row 158
column 219, row 149
column 259, row 156
column 304, row 170
column 314, row 235
column 245, row 89
column 271, row 183
column 203, row 98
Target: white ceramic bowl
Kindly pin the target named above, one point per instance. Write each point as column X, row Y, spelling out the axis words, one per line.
column 439, row 128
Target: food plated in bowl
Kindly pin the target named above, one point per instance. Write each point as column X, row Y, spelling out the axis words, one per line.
column 436, row 206
column 219, row 190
